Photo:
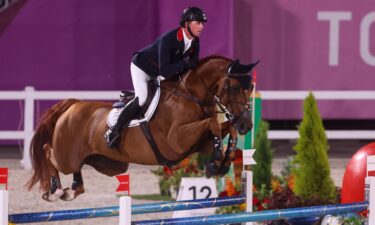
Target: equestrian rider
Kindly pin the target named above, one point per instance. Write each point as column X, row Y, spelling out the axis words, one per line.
column 172, row 54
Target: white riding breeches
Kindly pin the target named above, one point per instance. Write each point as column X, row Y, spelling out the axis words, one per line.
column 140, row 79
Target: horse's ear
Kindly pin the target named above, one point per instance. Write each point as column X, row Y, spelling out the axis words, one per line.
column 237, row 68
column 233, row 67
column 241, row 73
column 248, row 68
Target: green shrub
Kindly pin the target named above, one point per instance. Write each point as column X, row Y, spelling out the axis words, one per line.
column 262, row 170
column 312, row 171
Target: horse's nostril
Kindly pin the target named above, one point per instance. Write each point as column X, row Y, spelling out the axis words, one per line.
column 242, row 128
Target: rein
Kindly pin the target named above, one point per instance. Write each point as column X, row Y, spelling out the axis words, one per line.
column 189, row 96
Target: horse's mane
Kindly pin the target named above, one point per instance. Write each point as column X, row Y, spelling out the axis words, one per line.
column 207, row 58
column 201, row 63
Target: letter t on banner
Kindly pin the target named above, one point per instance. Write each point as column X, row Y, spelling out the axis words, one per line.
column 334, row 19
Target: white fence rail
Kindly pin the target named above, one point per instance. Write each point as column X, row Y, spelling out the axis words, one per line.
column 29, row 95
column 321, row 95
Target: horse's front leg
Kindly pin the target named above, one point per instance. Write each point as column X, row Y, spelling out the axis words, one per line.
column 230, row 153
column 213, row 166
column 225, row 128
column 196, row 131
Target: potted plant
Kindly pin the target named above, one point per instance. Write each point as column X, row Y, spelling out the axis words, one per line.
column 309, row 170
column 170, row 179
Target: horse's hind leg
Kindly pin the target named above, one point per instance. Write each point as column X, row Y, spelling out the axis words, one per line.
column 55, row 191
column 76, row 189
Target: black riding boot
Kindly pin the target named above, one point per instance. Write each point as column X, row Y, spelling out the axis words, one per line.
column 127, row 114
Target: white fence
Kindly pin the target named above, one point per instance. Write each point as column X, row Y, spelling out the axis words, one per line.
column 321, row 95
column 30, row 95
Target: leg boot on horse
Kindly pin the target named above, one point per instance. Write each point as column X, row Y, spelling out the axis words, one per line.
column 76, row 188
column 55, row 191
column 127, row 114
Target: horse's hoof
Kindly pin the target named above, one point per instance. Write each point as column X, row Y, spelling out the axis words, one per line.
column 70, row 194
column 49, row 197
column 211, row 169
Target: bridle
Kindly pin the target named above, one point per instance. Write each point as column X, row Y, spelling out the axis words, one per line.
column 218, row 98
column 231, row 91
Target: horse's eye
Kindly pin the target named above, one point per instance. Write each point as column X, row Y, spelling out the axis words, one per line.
column 236, row 89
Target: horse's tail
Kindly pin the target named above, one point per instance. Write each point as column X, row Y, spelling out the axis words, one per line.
column 42, row 136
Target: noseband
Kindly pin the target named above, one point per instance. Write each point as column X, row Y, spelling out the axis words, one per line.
column 231, row 92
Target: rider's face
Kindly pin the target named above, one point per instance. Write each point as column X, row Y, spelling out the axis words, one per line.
column 196, row 27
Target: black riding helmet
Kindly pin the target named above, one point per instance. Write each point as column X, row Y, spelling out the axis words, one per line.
column 193, row 14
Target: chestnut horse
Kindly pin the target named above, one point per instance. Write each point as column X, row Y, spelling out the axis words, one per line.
column 71, row 133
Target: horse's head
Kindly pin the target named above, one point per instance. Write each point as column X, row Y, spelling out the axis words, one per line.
column 233, row 93
column 229, row 82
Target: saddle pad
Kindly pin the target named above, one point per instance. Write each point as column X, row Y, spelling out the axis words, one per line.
column 115, row 112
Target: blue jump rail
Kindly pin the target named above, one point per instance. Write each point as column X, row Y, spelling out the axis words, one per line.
column 114, row 210
column 261, row 215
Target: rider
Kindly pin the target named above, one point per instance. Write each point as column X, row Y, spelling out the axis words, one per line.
column 170, row 55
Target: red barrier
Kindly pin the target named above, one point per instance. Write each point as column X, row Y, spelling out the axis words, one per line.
column 353, row 185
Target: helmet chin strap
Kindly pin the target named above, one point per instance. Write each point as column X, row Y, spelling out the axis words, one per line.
column 188, row 28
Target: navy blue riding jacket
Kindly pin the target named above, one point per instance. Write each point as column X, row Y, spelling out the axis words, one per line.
column 165, row 56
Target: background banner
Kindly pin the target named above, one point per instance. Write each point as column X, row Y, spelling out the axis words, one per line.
column 88, row 45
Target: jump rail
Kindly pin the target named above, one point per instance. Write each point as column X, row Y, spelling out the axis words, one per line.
column 261, row 215
column 30, row 95
column 125, row 209
column 114, row 210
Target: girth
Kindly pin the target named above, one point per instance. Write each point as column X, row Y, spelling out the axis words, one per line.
column 161, row 159
column 125, row 97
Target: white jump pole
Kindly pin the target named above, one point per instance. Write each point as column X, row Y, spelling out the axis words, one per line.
column 247, row 190
column 247, row 179
column 370, row 183
column 125, row 210
column 4, row 203
column 247, row 158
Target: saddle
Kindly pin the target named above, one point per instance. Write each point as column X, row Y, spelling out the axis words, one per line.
column 144, row 116
column 147, row 109
column 127, row 95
